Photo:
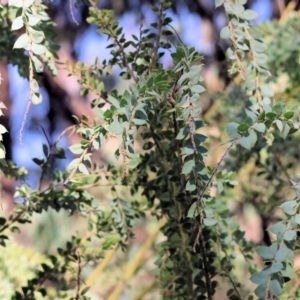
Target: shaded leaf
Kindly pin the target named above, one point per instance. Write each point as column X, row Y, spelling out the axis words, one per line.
column 297, row 219
column 139, row 121
column 288, row 207
column 252, row 137
column 261, row 291
column 275, row 268
column 36, row 36
column 83, row 169
column 279, row 125
column 190, row 185
column 21, row 42
column 210, row 222
column 260, row 127
column 259, row 277
column 38, row 65
column 232, row 131
column 267, row 252
column 38, row 49
column 219, row 2
column 286, row 130
column 290, row 235
column 197, row 89
column 37, row 98
column 134, row 162
column 259, row 46
column 17, row 23
column 275, row 286
column 192, row 211
column 277, row 109
column 243, row 127
column 188, row 167
column 249, row 14
column 245, row 142
column 281, row 254
column 271, row 116
column 76, row 149
column 2, row 129
column 289, row 114
column 225, row 33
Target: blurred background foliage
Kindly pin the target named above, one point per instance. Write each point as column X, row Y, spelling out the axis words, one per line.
column 263, row 173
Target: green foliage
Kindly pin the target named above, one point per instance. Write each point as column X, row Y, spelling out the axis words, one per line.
column 279, row 257
column 162, row 108
column 31, row 17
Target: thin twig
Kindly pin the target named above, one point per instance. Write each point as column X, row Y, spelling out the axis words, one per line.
column 234, row 42
column 28, row 104
column 191, row 128
column 79, row 160
column 83, row 81
column 228, row 274
column 45, row 134
column 139, row 46
column 117, row 43
column 206, row 269
column 13, row 220
column 208, row 184
column 180, row 40
column 199, row 231
column 72, row 13
column 62, row 134
column 216, row 169
column 24, row 121
column 50, row 155
column 158, row 36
